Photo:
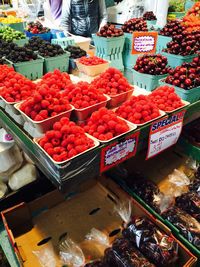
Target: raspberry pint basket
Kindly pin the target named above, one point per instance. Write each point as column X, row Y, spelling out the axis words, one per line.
column 162, row 43
column 177, row 60
column 60, row 62
column 191, row 95
column 83, row 113
column 93, row 70
column 117, row 100
column 146, row 81
column 45, row 155
column 41, row 127
column 32, row 69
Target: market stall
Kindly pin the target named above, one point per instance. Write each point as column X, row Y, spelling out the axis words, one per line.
column 99, row 140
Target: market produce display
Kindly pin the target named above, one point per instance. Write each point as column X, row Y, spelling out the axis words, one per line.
column 185, row 76
column 10, row 20
column 136, row 24
column 138, row 110
column 75, row 51
column 112, row 82
column 6, row 48
column 44, row 103
column 104, row 124
column 176, row 6
column 149, row 15
column 8, row 34
column 184, row 44
column 195, row 10
column 152, row 64
column 83, row 95
column 191, row 23
column 91, row 61
column 166, row 99
column 21, row 54
column 50, row 50
column 37, row 27
column 65, row 140
column 172, row 28
column 14, row 86
column 145, row 235
column 109, row 31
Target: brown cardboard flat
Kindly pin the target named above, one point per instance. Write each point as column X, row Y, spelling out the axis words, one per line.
column 53, row 216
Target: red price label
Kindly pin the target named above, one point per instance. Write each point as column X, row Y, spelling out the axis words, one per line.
column 165, row 133
column 118, row 152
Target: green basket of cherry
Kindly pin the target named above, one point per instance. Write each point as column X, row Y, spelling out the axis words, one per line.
column 53, row 55
column 182, row 48
column 150, row 18
column 10, row 35
column 24, row 60
column 148, row 70
column 172, row 28
column 186, row 80
column 135, row 24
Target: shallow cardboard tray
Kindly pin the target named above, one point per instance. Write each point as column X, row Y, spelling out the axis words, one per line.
column 73, row 214
column 132, row 127
column 96, row 144
column 44, row 125
column 84, row 113
column 93, row 70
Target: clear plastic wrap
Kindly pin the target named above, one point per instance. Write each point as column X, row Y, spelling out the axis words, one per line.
column 71, row 254
column 190, row 202
column 188, row 226
column 160, row 248
column 46, row 257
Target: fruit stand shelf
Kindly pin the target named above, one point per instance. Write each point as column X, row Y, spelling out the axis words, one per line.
column 83, row 167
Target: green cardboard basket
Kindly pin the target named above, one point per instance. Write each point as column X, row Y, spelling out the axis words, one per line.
column 60, row 62
column 129, row 60
column 16, row 26
column 21, row 42
column 177, row 60
column 63, row 42
column 146, row 81
column 108, row 46
column 188, row 4
column 162, row 43
column 32, row 70
column 191, row 95
column 116, row 60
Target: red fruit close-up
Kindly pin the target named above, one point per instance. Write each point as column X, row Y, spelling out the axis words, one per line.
column 104, row 125
column 112, row 82
column 165, row 98
column 84, row 95
column 138, row 110
column 65, row 140
column 91, row 61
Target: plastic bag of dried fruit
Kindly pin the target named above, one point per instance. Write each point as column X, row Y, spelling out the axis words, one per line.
column 120, row 253
column 157, row 246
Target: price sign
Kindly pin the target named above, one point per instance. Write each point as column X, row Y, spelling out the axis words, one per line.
column 144, row 42
column 165, row 133
column 118, row 152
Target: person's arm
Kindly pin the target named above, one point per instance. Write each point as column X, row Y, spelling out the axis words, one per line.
column 102, row 13
column 65, row 16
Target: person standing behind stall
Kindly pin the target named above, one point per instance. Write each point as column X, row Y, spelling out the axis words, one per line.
column 83, row 17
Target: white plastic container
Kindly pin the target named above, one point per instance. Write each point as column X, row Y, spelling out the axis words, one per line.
column 93, row 70
column 23, row 176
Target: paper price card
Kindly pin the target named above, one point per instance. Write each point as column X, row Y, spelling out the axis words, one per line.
column 144, row 42
column 118, row 152
column 165, row 133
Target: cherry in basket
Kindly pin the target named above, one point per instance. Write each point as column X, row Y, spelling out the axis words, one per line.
column 104, row 124
column 112, row 82
column 165, row 98
column 138, row 110
column 65, row 140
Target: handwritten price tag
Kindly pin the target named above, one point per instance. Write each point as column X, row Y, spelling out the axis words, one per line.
column 144, row 42
column 165, row 133
column 118, row 152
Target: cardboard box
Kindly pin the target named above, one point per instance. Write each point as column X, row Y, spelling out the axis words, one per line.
column 54, row 216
